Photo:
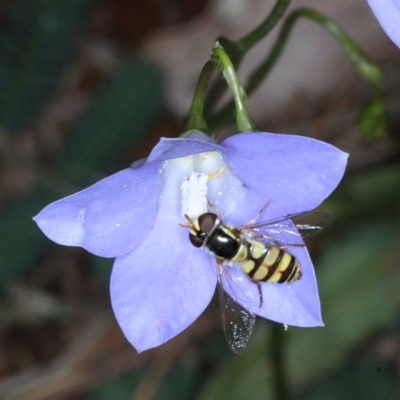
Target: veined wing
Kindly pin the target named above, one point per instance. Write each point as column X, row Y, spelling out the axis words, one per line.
column 304, row 224
column 238, row 322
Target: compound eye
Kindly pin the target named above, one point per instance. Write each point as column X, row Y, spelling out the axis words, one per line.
column 207, row 222
column 197, row 242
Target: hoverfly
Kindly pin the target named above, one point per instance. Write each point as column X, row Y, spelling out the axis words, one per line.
column 260, row 255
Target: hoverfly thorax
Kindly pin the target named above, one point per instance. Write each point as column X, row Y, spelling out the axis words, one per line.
column 208, row 231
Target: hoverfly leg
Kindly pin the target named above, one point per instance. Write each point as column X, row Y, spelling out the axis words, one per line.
column 254, row 220
column 269, row 238
column 259, row 290
column 187, row 219
column 276, row 243
column 213, row 208
column 288, row 246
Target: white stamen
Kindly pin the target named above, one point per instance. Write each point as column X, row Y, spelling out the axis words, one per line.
column 194, row 194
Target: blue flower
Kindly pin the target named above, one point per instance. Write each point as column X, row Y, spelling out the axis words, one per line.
column 161, row 283
column 388, row 14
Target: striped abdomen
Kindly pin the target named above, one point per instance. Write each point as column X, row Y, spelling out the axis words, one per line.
column 267, row 263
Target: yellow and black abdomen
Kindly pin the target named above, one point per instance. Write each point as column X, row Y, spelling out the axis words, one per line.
column 260, row 261
column 267, row 263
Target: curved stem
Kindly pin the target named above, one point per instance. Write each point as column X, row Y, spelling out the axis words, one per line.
column 356, row 56
column 236, row 50
column 277, row 352
column 243, row 121
column 353, row 52
column 248, row 41
column 373, row 118
column 196, row 119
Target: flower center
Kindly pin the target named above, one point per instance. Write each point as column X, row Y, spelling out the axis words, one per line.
column 195, row 187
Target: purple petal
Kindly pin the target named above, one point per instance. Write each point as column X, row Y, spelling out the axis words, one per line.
column 388, row 14
column 109, row 218
column 163, row 285
column 168, row 149
column 156, row 293
column 298, row 173
column 228, row 196
column 296, row 303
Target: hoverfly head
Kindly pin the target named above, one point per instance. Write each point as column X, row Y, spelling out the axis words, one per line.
column 201, row 227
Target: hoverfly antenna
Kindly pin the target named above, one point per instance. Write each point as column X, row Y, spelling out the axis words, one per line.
column 186, row 225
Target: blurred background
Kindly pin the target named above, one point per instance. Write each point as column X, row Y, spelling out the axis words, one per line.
column 89, row 86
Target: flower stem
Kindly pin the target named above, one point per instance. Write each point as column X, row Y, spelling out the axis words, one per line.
column 248, row 41
column 278, row 370
column 237, row 50
column 196, row 119
column 244, row 123
column 356, row 56
column 366, row 69
column 373, row 118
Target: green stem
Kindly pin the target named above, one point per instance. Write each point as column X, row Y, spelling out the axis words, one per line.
column 243, row 121
column 196, row 119
column 373, row 118
column 248, row 41
column 277, row 353
column 237, row 50
column 360, row 61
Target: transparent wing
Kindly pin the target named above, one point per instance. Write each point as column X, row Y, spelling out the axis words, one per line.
column 238, row 322
column 305, row 224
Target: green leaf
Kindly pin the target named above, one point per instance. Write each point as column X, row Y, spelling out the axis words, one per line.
column 358, row 285
column 38, row 40
column 111, row 389
column 119, row 118
column 373, row 120
column 120, row 387
column 360, row 197
column 246, row 376
column 20, row 240
column 358, row 281
column 359, row 379
column 182, row 382
column 102, row 269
